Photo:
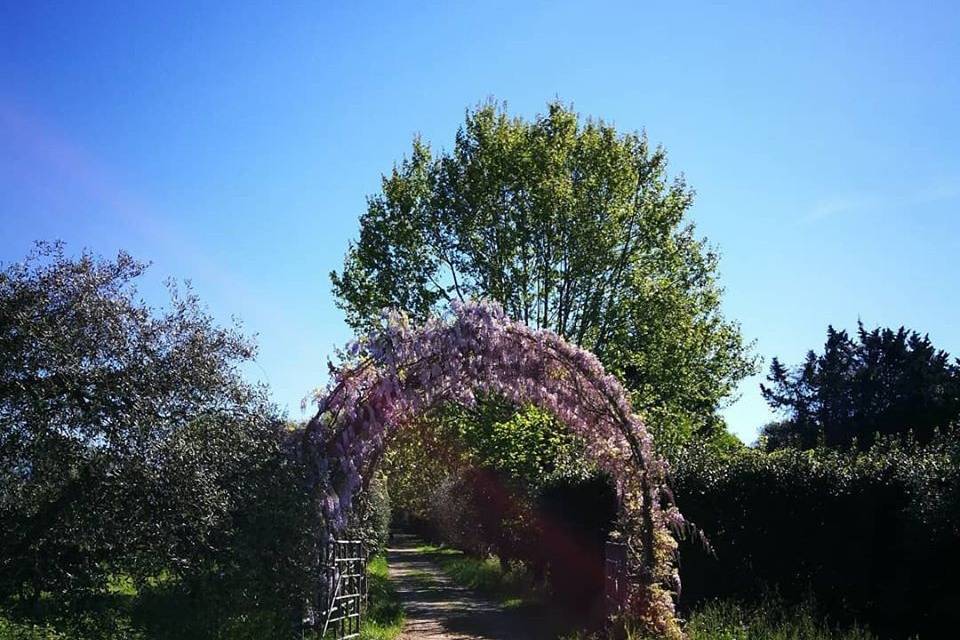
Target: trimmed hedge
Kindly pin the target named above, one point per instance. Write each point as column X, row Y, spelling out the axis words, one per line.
column 872, row 536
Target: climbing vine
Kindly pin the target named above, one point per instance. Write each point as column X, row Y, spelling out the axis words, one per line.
column 389, row 377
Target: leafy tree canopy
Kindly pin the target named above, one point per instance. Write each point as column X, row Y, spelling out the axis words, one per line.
column 570, row 226
column 880, row 382
column 128, row 439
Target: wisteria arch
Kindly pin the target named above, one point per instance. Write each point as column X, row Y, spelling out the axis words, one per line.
column 393, row 375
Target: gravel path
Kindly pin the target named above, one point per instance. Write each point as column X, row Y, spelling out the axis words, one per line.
column 439, row 609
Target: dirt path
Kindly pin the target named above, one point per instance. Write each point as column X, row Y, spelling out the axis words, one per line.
column 439, row 609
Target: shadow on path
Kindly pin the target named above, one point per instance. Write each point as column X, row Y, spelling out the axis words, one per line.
column 438, row 608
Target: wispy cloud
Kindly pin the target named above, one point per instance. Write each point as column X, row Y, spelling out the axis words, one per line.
column 839, row 205
column 857, row 202
column 56, row 159
column 938, row 193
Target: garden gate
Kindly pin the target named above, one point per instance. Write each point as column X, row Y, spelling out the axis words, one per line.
column 615, row 580
column 344, row 568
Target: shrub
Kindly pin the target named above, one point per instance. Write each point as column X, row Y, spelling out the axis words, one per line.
column 131, row 446
column 372, row 515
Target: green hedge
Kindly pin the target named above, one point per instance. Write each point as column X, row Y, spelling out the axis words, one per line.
column 872, row 536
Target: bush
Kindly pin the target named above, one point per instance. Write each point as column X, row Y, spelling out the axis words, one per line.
column 372, row 516
column 131, row 447
column 872, row 535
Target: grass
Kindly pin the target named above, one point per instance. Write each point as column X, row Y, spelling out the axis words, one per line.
column 772, row 620
column 769, row 620
column 161, row 612
column 512, row 588
column 104, row 615
column 384, row 616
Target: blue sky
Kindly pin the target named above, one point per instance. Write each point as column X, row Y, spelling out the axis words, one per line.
column 235, row 145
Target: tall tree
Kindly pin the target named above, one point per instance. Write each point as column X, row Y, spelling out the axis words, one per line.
column 571, row 226
column 884, row 382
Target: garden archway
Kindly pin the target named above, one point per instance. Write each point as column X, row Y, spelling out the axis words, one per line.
column 396, row 373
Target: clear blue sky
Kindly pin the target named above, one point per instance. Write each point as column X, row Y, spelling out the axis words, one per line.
column 235, row 145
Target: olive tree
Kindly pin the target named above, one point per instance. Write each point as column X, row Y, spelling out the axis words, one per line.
column 129, row 441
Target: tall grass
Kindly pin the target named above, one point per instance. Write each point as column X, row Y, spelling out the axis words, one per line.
column 511, row 588
column 383, row 619
column 770, row 620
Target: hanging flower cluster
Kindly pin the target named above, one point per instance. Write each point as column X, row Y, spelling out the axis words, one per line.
column 391, row 376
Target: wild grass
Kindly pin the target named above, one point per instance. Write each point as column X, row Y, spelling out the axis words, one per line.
column 771, row 620
column 384, row 616
column 768, row 620
column 511, row 588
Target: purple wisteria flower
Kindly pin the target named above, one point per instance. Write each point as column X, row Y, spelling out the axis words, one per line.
column 392, row 376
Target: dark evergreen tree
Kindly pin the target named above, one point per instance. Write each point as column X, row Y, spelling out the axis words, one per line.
column 885, row 382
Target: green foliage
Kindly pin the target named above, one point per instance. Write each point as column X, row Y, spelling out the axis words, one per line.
column 372, row 515
column 131, row 446
column 871, row 534
column 526, row 445
column 526, row 449
column 477, row 511
column 570, row 226
column 120, row 431
column 162, row 610
column 885, row 382
column 418, row 460
column 11, row 630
